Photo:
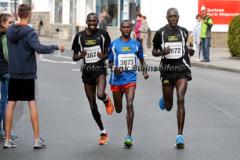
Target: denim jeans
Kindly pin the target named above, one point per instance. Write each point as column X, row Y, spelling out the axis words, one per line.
column 4, row 96
column 206, row 48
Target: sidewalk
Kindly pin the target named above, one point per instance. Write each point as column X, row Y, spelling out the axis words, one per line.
column 220, row 58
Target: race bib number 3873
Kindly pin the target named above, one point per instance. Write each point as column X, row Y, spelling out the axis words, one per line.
column 175, row 50
column 127, row 61
column 92, row 52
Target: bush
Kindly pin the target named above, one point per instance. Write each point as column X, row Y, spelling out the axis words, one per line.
column 234, row 36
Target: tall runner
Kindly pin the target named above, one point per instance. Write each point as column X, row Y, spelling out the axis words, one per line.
column 123, row 54
column 170, row 43
column 91, row 45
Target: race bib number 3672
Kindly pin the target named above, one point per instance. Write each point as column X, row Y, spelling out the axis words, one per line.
column 175, row 50
column 127, row 61
column 92, row 52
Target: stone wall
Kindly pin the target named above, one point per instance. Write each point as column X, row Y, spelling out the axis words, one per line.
column 50, row 30
column 219, row 39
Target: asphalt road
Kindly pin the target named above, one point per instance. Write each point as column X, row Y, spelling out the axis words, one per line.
column 211, row 132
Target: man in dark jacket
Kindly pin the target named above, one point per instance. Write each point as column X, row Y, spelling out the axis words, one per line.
column 22, row 43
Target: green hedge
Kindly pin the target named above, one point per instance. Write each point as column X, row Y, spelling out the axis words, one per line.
column 234, row 36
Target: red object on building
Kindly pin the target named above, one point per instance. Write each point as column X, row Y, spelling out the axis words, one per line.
column 221, row 11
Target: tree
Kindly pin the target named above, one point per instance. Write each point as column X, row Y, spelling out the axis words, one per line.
column 234, row 36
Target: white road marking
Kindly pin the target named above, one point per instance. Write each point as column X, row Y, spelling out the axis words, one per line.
column 219, row 109
column 66, row 57
column 58, row 62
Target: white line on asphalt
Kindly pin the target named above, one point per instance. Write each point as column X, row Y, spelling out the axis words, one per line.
column 52, row 61
column 76, row 70
column 224, row 111
column 66, row 57
column 220, row 109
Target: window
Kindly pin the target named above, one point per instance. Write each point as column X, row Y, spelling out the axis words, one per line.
column 3, row 6
column 58, row 11
column 27, row 1
column 108, row 9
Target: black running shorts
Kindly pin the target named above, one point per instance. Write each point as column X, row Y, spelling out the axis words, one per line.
column 90, row 74
column 21, row 89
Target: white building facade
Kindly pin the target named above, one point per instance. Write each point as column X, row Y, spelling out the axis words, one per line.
column 57, row 15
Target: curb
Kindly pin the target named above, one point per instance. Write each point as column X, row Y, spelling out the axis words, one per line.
column 211, row 66
column 235, row 70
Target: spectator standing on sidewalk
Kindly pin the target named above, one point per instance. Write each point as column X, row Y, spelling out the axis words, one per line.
column 102, row 23
column 196, row 36
column 137, row 34
column 205, row 35
column 5, row 21
column 22, row 44
column 144, row 33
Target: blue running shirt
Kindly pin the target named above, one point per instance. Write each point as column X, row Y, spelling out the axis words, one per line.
column 124, row 54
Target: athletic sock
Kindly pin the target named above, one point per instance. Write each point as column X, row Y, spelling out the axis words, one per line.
column 103, row 131
column 106, row 99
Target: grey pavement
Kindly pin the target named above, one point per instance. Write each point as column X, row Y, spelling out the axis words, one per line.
column 220, row 58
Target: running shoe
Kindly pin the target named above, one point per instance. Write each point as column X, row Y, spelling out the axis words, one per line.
column 39, row 144
column 128, row 142
column 179, row 142
column 103, row 139
column 9, row 144
column 161, row 103
column 109, row 106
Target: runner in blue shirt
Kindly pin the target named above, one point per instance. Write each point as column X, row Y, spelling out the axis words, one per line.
column 123, row 54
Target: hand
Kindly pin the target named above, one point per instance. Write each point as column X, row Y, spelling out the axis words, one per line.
column 191, row 52
column 145, row 75
column 61, row 48
column 82, row 54
column 166, row 51
column 118, row 70
column 101, row 55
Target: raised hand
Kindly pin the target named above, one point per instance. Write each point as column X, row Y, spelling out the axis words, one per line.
column 61, row 48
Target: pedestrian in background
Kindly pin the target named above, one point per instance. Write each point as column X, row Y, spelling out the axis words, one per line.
column 144, row 33
column 5, row 21
column 137, row 34
column 102, row 23
column 22, row 43
column 196, row 36
column 205, row 35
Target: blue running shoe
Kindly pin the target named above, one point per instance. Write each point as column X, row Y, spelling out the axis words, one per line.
column 128, row 142
column 161, row 103
column 179, row 142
